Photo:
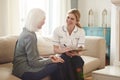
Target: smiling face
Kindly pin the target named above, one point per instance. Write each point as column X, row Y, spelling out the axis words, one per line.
column 71, row 20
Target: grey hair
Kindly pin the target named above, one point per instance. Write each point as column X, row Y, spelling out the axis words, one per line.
column 33, row 19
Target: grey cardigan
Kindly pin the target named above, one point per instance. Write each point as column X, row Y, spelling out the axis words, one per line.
column 26, row 56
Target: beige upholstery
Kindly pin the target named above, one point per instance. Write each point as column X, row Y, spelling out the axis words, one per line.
column 7, row 48
column 94, row 57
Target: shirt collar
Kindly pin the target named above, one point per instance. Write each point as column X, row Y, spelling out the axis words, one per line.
column 64, row 28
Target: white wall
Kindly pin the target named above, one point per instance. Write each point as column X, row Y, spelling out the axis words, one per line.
column 97, row 6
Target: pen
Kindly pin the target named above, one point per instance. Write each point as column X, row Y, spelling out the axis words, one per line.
column 65, row 45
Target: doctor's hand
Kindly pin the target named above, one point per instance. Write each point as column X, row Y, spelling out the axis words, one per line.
column 72, row 53
column 65, row 49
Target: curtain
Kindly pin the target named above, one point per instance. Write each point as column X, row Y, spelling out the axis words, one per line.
column 55, row 12
column 9, row 17
column 14, row 12
column 57, row 15
column 13, row 17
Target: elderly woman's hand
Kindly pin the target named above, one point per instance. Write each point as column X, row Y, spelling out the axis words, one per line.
column 56, row 59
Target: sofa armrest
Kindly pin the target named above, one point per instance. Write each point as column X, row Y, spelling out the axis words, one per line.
column 96, row 47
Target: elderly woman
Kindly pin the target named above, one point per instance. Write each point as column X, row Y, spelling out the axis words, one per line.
column 27, row 63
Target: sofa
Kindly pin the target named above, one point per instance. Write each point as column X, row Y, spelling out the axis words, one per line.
column 94, row 56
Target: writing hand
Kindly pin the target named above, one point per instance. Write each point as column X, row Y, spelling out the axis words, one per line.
column 72, row 53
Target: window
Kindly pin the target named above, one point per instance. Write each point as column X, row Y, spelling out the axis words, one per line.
column 55, row 12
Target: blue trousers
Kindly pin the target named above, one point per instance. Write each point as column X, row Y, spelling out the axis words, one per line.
column 71, row 69
column 52, row 70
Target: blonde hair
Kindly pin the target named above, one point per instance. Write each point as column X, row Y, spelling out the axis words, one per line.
column 77, row 15
column 33, row 19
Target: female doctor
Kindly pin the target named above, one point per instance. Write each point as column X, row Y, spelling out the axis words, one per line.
column 67, row 36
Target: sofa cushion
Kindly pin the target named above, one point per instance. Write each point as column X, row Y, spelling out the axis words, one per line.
column 7, row 66
column 45, row 46
column 95, row 46
column 7, row 45
column 91, row 63
column 5, row 72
